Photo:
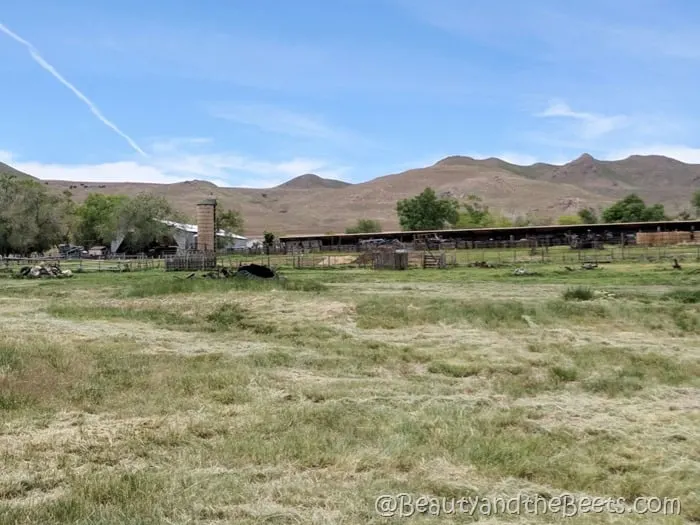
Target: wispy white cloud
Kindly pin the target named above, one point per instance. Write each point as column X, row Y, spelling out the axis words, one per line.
column 179, row 160
column 520, row 159
column 34, row 53
column 635, row 29
column 282, row 121
column 590, row 125
column 613, row 137
column 688, row 154
column 652, row 42
column 316, row 65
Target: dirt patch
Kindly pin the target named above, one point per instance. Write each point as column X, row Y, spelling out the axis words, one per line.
column 337, row 260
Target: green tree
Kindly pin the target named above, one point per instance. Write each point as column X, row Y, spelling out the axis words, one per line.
column 141, row 218
column 31, row 218
column 588, row 216
column 695, row 201
column 633, row 209
column 268, row 241
column 230, row 221
column 427, row 212
column 474, row 214
column 68, row 211
column 365, row 226
column 570, row 220
column 98, row 219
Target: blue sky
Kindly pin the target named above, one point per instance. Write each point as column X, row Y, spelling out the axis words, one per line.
column 252, row 93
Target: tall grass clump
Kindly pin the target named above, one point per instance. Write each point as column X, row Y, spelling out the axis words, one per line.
column 578, row 293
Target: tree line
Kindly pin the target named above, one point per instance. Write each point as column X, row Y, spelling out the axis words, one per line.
column 34, row 219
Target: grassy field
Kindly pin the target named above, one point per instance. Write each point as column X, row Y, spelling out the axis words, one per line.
column 144, row 398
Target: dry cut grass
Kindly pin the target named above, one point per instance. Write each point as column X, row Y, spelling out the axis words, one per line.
column 144, row 400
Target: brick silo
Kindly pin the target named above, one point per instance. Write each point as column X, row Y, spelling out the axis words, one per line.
column 206, row 225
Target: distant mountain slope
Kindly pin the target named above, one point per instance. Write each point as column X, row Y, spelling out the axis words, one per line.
column 9, row 170
column 310, row 181
column 312, row 204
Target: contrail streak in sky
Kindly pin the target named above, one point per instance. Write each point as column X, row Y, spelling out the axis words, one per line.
column 48, row 67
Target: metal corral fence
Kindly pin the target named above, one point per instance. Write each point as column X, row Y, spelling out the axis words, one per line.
column 492, row 255
column 416, row 259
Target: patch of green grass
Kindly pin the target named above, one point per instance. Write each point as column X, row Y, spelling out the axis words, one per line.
column 687, row 321
column 614, row 372
column 579, row 293
column 452, row 369
column 157, row 316
column 684, row 296
column 622, row 372
column 229, row 316
column 384, row 312
column 270, row 359
column 49, row 375
column 564, row 374
column 169, row 284
column 624, row 382
column 388, row 313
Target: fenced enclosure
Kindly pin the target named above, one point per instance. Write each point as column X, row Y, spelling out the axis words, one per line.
column 11, row 264
column 194, row 261
column 493, row 253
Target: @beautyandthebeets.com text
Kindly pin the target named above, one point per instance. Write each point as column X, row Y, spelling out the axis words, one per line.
column 566, row 505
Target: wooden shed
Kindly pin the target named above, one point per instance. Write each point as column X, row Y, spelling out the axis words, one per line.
column 97, row 251
column 390, row 260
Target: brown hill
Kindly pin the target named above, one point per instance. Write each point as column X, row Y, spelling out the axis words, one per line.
column 310, row 181
column 311, row 204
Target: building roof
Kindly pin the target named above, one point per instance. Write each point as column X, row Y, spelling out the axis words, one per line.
column 192, row 228
column 692, row 224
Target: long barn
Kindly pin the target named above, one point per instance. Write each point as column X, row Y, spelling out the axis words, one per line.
column 552, row 235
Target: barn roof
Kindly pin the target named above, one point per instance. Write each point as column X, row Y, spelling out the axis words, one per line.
column 192, row 228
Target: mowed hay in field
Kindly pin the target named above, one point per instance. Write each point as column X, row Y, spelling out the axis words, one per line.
column 149, row 399
column 663, row 238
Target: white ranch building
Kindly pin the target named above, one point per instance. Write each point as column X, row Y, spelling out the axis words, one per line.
column 185, row 236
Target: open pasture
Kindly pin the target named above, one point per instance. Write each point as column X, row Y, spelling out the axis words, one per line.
column 144, row 398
